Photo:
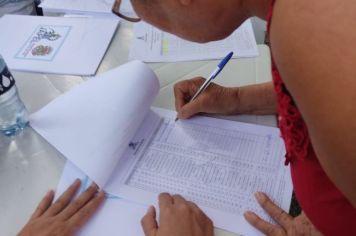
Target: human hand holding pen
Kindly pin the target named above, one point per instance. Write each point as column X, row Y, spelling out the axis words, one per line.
column 200, row 95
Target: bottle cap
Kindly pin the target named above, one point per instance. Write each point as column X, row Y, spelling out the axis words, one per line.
column 6, row 80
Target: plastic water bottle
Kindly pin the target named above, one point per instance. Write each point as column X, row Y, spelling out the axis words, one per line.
column 19, row 7
column 13, row 114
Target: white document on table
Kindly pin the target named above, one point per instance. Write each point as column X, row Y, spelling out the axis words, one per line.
column 58, row 45
column 217, row 164
column 107, row 129
column 99, row 108
column 93, row 7
column 153, row 45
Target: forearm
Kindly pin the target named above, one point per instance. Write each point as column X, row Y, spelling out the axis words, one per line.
column 258, row 99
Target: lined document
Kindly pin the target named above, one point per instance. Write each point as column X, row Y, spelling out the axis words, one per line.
column 153, row 45
column 210, row 166
column 138, row 152
column 217, row 164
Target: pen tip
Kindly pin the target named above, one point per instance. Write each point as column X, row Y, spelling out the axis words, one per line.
column 176, row 119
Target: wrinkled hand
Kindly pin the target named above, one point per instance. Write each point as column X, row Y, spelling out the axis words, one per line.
column 288, row 225
column 64, row 217
column 178, row 217
column 215, row 99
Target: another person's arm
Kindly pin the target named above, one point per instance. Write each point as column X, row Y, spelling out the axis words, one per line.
column 313, row 44
column 256, row 99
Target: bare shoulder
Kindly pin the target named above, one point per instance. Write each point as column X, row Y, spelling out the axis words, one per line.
column 313, row 45
column 315, row 40
column 314, row 27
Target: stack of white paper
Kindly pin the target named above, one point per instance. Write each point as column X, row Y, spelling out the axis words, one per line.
column 107, row 129
column 153, row 45
column 91, row 7
column 57, row 45
column 114, row 116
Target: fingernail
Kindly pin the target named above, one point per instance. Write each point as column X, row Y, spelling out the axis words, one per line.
column 249, row 215
column 93, row 185
column 102, row 194
column 49, row 193
column 151, row 210
column 76, row 181
column 259, row 196
column 105, row 193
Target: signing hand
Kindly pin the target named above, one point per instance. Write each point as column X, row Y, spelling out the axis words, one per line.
column 215, row 99
column 63, row 217
column 178, row 217
column 288, row 225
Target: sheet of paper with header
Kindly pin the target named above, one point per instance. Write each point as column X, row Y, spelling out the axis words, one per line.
column 59, row 45
column 153, row 45
column 215, row 163
column 99, row 108
column 136, row 152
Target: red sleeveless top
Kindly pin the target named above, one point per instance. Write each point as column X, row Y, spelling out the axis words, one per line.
column 326, row 207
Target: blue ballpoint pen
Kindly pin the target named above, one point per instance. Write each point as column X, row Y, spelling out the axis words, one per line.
column 213, row 75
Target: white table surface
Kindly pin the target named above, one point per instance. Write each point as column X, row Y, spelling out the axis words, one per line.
column 29, row 166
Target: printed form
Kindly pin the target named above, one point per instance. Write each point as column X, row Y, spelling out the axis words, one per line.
column 217, row 164
column 153, row 45
column 137, row 152
column 54, row 44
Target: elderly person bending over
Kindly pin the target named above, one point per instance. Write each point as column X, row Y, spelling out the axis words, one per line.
column 313, row 93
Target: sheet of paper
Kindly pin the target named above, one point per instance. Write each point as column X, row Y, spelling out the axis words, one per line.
column 92, row 124
column 55, row 44
column 115, row 217
column 85, row 6
column 217, row 164
column 153, row 45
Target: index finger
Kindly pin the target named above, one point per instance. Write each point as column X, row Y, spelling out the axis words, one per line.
column 186, row 89
column 75, row 205
column 178, row 199
column 63, row 200
column 81, row 216
column 278, row 214
column 180, row 93
column 43, row 205
column 164, row 200
column 149, row 223
column 262, row 225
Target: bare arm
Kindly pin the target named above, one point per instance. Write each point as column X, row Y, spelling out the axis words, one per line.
column 313, row 44
column 252, row 99
column 258, row 99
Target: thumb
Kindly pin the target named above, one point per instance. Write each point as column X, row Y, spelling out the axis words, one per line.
column 149, row 223
column 190, row 109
